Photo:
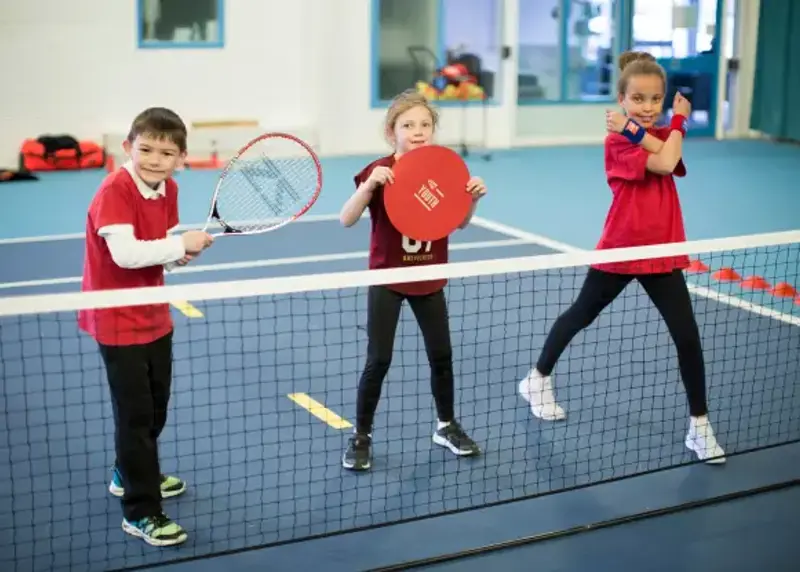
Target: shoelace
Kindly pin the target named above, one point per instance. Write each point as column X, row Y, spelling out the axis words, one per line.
column 156, row 522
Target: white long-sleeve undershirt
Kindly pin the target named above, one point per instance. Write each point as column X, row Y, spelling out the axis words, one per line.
column 128, row 252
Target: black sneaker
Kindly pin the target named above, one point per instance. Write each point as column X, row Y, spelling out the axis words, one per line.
column 454, row 438
column 358, row 455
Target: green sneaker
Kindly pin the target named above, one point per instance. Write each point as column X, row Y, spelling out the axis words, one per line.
column 157, row 530
column 170, row 486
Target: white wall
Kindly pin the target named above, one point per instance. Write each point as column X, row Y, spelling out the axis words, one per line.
column 84, row 75
column 291, row 65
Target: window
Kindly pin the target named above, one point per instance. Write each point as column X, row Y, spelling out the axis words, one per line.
column 590, row 61
column 180, row 23
column 565, row 50
column 414, row 39
column 653, row 31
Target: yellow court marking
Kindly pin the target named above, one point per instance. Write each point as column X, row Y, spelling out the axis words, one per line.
column 318, row 410
column 187, row 309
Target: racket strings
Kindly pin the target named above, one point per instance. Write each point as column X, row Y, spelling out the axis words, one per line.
column 271, row 182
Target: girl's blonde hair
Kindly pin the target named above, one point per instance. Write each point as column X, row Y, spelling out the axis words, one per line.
column 638, row 63
column 405, row 101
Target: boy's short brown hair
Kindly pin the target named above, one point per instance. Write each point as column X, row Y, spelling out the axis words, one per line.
column 159, row 123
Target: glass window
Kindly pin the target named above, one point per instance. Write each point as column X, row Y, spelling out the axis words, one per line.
column 407, row 45
column 565, row 50
column 414, row 39
column 590, row 61
column 653, row 31
column 471, row 36
column 539, row 57
column 180, row 23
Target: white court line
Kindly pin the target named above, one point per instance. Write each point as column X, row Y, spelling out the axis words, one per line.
column 248, row 264
column 501, row 228
column 196, row 226
column 695, row 289
column 743, row 304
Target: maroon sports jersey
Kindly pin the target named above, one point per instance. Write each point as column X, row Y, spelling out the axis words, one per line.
column 390, row 249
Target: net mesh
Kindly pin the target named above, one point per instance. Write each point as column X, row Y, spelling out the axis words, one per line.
column 264, row 391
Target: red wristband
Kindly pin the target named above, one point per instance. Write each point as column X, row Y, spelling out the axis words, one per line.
column 678, row 123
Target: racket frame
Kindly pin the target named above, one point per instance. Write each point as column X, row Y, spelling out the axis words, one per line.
column 227, row 230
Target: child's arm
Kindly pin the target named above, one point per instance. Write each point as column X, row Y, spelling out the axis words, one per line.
column 187, row 258
column 358, row 201
column 477, row 189
column 666, row 158
column 652, row 144
column 356, row 204
column 664, row 155
column 129, row 252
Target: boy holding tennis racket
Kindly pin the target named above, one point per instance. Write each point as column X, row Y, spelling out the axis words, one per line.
column 410, row 123
column 641, row 163
column 128, row 245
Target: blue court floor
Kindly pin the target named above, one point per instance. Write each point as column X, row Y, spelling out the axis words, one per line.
column 280, row 466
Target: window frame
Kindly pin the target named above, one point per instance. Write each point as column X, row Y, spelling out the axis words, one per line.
column 142, row 44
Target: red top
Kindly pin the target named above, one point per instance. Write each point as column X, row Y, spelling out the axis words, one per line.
column 390, row 249
column 118, row 201
column 645, row 209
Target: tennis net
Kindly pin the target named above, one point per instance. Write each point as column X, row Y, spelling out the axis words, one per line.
column 264, row 392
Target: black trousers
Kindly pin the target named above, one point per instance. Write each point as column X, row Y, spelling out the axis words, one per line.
column 670, row 296
column 139, row 380
column 383, row 313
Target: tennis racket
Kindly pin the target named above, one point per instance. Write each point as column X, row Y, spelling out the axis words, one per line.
column 273, row 180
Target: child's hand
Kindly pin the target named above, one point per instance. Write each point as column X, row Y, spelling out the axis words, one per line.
column 681, row 105
column 185, row 260
column 380, row 176
column 615, row 121
column 195, row 241
column 476, row 187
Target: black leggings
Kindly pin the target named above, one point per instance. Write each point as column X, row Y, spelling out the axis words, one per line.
column 670, row 296
column 383, row 313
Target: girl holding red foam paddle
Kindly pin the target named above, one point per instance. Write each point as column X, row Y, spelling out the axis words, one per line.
column 410, row 125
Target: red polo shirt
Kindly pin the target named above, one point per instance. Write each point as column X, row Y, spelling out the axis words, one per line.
column 119, row 202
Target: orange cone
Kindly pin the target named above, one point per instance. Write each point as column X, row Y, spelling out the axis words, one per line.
column 726, row 275
column 697, row 266
column 755, row 283
column 784, row 290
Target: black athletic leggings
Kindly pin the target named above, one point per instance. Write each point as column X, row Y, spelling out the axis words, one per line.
column 383, row 313
column 670, row 296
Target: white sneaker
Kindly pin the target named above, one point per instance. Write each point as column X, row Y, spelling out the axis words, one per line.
column 701, row 440
column 537, row 390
